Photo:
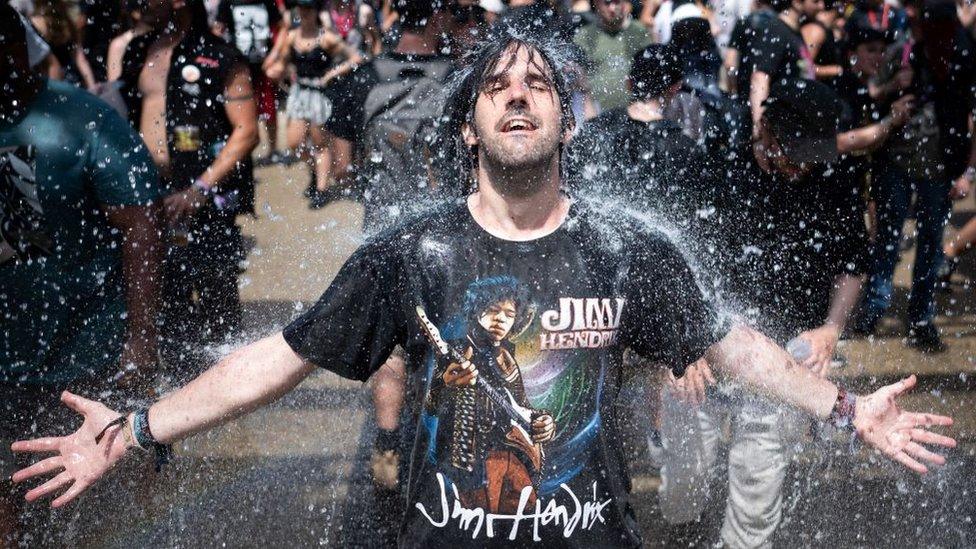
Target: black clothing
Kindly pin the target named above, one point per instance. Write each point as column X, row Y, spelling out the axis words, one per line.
column 249, row 26
column 103, row 22
column 197, row 127
column 600, row 283
column 649, row 165
column 744, row 34
column 780, row 52
column 313, row 63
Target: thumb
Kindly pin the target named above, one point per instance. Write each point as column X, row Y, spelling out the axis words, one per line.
column 79, row 404
column 904, row 385
column 468, row 353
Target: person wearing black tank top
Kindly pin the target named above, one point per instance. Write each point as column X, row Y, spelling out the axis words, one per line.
column 313, row 57
column 819, row 38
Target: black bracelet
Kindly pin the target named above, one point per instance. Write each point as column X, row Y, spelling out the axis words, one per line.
column 146, row 440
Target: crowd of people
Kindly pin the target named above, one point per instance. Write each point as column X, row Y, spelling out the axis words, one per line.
column 783, row 143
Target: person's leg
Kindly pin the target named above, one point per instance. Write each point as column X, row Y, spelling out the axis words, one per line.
column 296, row 134
column 387, row 387
column 322, row 152
column 217, row 260
column 758, row 460
column 892, row 196
column 931, row 212
column 178, row 329
column 689, row 438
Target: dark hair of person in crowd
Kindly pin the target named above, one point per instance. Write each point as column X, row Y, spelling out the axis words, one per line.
column 937, row 23
column 694, row 44
column 414, row 14
column 653, row 70
column 780, row 5
column 550, row 55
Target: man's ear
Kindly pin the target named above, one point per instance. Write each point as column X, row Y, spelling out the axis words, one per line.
column 469, row 135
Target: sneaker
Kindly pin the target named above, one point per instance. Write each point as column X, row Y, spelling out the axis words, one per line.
column 925, row 338
column 384, row 466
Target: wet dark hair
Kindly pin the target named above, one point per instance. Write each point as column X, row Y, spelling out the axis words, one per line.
column 653, row 70
column 482, row 294
column 551, row 55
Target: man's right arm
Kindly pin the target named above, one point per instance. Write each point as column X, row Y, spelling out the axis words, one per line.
column 243, row 381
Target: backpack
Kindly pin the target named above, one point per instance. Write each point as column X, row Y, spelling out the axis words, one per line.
column 401, row 116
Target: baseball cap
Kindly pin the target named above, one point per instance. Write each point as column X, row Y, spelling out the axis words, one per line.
column 804, row 115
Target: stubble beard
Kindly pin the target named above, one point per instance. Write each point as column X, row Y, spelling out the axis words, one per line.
column 520, row 168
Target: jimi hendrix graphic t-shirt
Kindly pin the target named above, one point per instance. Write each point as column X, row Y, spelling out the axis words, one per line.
column 520, row 453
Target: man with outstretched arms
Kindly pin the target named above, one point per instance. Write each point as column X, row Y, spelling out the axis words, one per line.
column 595, row 283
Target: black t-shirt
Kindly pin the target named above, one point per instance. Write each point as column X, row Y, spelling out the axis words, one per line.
column 651, row 165
column 780, row 52
column 249, row 26
column 545, row 322
column 744, row 33
column 102, row 22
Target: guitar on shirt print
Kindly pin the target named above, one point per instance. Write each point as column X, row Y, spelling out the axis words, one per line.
column 520, row 416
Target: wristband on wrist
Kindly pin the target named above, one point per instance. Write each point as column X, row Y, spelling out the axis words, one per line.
column 210, row 192
column 842, row 415
column 146, row 440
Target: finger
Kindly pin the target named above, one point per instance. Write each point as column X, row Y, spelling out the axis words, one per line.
column 923, row 453
column 45, row 444
column 468, row 353
column 40, row 468
column 904, row 459
column 79, row 404
column 928, row 437
column 930, row 420
column 71, row 494
column 52, row 485
column 904, row 385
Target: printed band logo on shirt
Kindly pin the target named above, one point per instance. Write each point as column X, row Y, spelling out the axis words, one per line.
column 581, row 323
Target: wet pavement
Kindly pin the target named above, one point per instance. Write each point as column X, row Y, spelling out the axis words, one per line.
column 283, row 476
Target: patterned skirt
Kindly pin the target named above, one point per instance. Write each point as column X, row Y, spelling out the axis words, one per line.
column 308, row 103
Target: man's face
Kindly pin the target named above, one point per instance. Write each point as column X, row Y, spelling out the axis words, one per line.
column 867, row 58
column 612, row 13
column 498, row 319
column 517, row 116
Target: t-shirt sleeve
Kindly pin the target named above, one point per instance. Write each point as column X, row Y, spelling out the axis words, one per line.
column 353, row 327
column 769, row 51
column 667, row 317
column 119, row 167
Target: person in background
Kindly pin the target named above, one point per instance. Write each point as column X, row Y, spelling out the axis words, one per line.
column 609, row 44
column 316, row 56
column 737, row 62
column 879, row 15
column 117, row 47
column 355, row 22
column 819, row 37
column 925, row 159
column 98, row 22
column 52, row 19
column 251, row 26
column 80, row 255
column 172, row 79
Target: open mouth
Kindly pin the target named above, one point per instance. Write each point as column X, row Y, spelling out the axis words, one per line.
column 518, row 125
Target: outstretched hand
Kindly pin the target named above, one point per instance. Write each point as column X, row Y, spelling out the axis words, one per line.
column 899, row 434
column 79, row 461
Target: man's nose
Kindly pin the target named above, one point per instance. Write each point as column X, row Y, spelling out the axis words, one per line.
column 518, row 95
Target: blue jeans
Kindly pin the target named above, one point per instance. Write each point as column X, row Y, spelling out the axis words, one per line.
column 893, row 195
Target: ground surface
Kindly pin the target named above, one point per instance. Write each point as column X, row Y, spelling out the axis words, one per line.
column 281, row 476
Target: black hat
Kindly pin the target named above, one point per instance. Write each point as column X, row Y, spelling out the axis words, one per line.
column 653, row 70
column 804, row 115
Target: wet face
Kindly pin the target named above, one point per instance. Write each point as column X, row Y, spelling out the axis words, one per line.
column 517, row 116
column 498, row 319
column 612, row 13
column 867, row 58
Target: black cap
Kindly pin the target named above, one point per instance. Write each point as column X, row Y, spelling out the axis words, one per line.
column 653, row 70
column 804, row 115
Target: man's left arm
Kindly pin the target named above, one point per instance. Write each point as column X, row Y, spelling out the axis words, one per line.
column 754, row 361
column 242, row 113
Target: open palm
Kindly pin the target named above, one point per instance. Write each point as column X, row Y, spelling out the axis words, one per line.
column 79, row 461
column 897, row 433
